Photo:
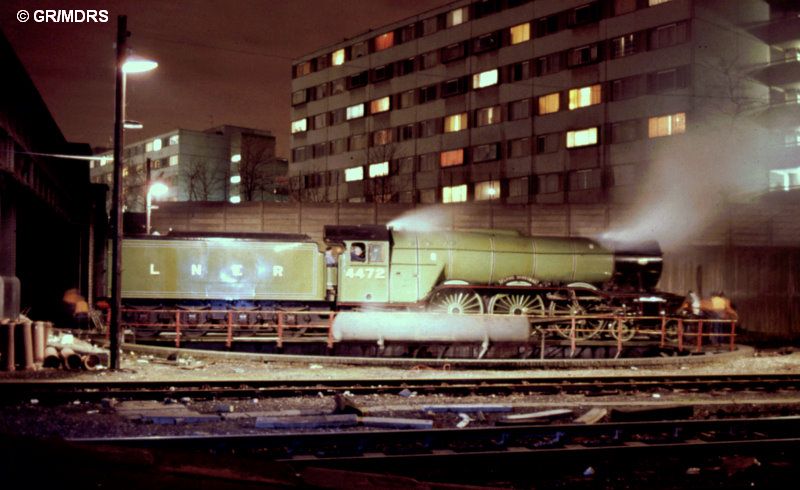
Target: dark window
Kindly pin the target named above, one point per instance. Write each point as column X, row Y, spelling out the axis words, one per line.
column 320, row 150
column 428, row 128
column 624, row 131
column 486, row 153
column 519, row 148
column 407, row 33
column 428, row 162
column 483, row 8
column 520, row 109
column 454, row 52
column 585, row 179
column 323, row 62
column 430, row 25
column 486, row 42
column 624, row 6
column 404, row 67
column 584, row 55
column 547, row 143
column 359, row 49
column 406, row 132
column 548, row 64
column 321, row 91
column 625, row 88
column 584, row 14
column 406, row 99
column 519, row 71
column 357, row 80
column 301, row 153
column 338, row 146
column 669, row 35
column 429, row 60
column 427, row 94
column 299, row 97
column 455, row 86
column 338, row 116
column 546, row 25
column 666, row 80
column 338, row 86
column 382, row 73
column 550, row 183
column 358, row 142
column 516, row 3
column 320, row 120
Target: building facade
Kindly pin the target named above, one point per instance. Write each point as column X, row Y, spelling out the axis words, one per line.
column 225, row 163
column 550, row 101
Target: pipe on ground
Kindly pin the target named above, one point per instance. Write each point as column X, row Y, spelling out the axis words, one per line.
column 71, row 360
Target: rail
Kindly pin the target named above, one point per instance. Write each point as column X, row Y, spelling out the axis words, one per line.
column 287, row 325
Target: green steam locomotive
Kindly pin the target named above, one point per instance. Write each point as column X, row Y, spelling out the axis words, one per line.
column 468, row 272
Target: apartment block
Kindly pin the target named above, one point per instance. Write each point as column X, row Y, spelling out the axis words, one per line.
column 549, row 101
column 225, row 163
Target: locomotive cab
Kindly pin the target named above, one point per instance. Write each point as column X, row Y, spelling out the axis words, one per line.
column 363, row 265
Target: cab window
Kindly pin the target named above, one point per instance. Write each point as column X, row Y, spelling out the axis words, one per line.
column 357, row 251
column 376, row 252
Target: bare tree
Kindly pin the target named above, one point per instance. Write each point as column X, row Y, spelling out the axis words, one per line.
column 203, row 180
column 259, row 170
column 133, row 188
column 380, row 186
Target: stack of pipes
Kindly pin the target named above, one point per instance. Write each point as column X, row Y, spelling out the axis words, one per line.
column 24, row 345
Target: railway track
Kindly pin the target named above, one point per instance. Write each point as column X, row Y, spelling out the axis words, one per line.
column 54, row 392
column 514, row 451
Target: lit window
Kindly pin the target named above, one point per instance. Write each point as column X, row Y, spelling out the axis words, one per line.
column 91, row 163
column 337, row 57
column 455, row 193
column 549, row 103
column 382, row 137
column 584, row 97
column 236, row 199
column 235, row 158
column 451, row 158
column 582, row 137
column 103, row 162
column 484, row 79
column 456, row 17
column 148, row 146
column 156, row 144
column 380, row 105
column 520, row 33
column 353, row 174
column 378, row 169
column 384, row 41
column 355, row 111
column 173, row 140
column 455, row 122
column 235, row 179
column 650, row 3
column 666, row 125
column 173, row 160
column 784, row 179
column 125, row 172
column 487, row 190
column 299, row 126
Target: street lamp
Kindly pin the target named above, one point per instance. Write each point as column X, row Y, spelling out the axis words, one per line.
column 156, row 190
column 131, row 124
column 122, row 68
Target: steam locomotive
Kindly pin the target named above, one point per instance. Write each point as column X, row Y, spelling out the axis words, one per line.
column 473, row 273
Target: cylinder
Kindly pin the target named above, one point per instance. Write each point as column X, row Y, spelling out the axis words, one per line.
column 27, row 341
column 71, row 359
column 90, row 361
column 39, row 342
column 51, row 358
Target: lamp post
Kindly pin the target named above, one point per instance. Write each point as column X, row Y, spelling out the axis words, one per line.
column 156, row 190
column 123, row 66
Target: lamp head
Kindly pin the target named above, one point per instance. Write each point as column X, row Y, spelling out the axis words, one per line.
column 158, row 189
column 135, row 64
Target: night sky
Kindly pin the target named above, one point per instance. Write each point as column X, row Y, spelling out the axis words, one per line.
column 220, row 62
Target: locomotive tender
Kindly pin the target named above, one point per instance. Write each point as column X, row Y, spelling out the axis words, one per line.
column 374, row 267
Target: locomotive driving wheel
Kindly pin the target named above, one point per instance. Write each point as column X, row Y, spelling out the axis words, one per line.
column 457, row 302
column 516, row 304
column 584, row 328
column 622, row 330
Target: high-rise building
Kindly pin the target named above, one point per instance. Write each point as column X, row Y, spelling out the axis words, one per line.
column 225, row 163
column 551, row 101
